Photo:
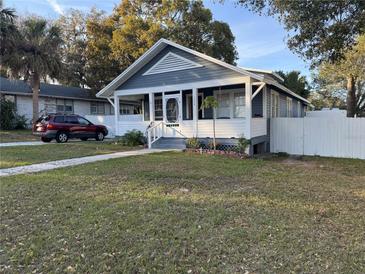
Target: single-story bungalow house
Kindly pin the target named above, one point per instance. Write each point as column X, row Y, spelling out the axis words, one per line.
column 53, row 98
column 170, row 82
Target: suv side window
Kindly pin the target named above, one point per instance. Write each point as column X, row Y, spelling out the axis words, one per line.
column 83, row 121
column 59, row 119
column 71, row 120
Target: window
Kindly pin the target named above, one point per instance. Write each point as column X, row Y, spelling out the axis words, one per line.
column 10, row 98
column 158, row 109
column 59, row 119
column 298, row 109
column 71, row 120
column 83, row 121
column 64, row 106
column 289, row 108
column 189, row 106
column 239, row 104
column 275, row 108
column 231, row 103
column 97, row 108
column 224, row 109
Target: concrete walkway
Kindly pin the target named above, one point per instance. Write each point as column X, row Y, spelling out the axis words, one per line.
column 15, row 144
column 75, row 161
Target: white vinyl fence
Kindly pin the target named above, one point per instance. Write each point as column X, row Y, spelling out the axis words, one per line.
column 333, row 137
column 106, row 120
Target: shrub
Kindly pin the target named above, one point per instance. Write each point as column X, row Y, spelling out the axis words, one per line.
column 133, row 138
column 243, row 143
column 192, row 143
column 9, row 118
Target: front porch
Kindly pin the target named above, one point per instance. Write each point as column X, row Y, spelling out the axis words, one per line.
column 177, row 112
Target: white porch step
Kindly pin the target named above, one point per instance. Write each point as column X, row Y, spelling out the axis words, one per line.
column 178, row 143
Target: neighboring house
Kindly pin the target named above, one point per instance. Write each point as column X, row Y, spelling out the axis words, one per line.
column 53, row 98
column 327, row 113
column 170, row 81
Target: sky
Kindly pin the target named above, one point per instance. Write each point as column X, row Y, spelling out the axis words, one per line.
column 260, row 40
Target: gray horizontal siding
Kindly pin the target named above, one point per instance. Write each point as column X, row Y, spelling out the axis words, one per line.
column 209, row 71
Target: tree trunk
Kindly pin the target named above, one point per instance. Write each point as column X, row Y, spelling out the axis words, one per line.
column 351, row 97
column 35, row 89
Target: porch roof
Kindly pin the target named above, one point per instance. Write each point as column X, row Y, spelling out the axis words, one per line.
column 258, row 75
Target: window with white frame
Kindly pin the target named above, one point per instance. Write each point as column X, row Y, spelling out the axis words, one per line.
column 275, row 104
column 158, row 108
column 239, row 102
column 97, row 108
column 224, row 105
column 130, row 108
column 231, row 103
column 64, row 105
column 189, row 106
column 289, row 107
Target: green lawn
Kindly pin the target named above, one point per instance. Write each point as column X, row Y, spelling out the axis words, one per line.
column 20, row 135
column 175, row 212
column 26, row 155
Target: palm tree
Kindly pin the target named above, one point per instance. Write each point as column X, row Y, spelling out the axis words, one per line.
column 7, row 29
column 35, row 55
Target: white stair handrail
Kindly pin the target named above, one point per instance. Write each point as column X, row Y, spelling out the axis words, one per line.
column 156, row 131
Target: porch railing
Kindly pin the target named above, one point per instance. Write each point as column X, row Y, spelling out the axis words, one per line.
column 156, row 131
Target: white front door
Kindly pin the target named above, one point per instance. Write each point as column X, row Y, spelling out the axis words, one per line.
column 172, row 114
column 173, row 109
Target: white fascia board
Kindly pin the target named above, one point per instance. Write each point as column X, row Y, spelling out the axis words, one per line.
column 265, row 71
column 119, row 80
column 274, row 83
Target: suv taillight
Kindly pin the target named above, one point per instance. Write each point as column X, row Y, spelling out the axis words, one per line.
column 51, row 126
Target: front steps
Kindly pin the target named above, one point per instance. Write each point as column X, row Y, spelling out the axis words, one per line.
column 177, row 143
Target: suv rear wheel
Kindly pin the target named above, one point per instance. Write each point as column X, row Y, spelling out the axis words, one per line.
column 61, row 137
column 99, row 136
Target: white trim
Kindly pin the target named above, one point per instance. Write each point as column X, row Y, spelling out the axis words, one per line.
column 264, row 71
column 299, row 111
column 185, row 86
column 110, row 101
column 187, row 105
column 167, row 69
column 258, row 90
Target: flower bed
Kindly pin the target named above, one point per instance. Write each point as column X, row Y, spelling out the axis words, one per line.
column 232, row 154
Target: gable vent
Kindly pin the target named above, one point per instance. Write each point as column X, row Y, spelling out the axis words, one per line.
column 171, row 62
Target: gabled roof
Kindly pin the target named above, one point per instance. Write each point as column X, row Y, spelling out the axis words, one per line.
column 46, row 90
column 258, row 75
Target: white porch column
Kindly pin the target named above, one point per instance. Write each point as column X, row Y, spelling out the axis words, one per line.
column 248, row 95
column 116, row 113
column 195, row 111
column 151, row 100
